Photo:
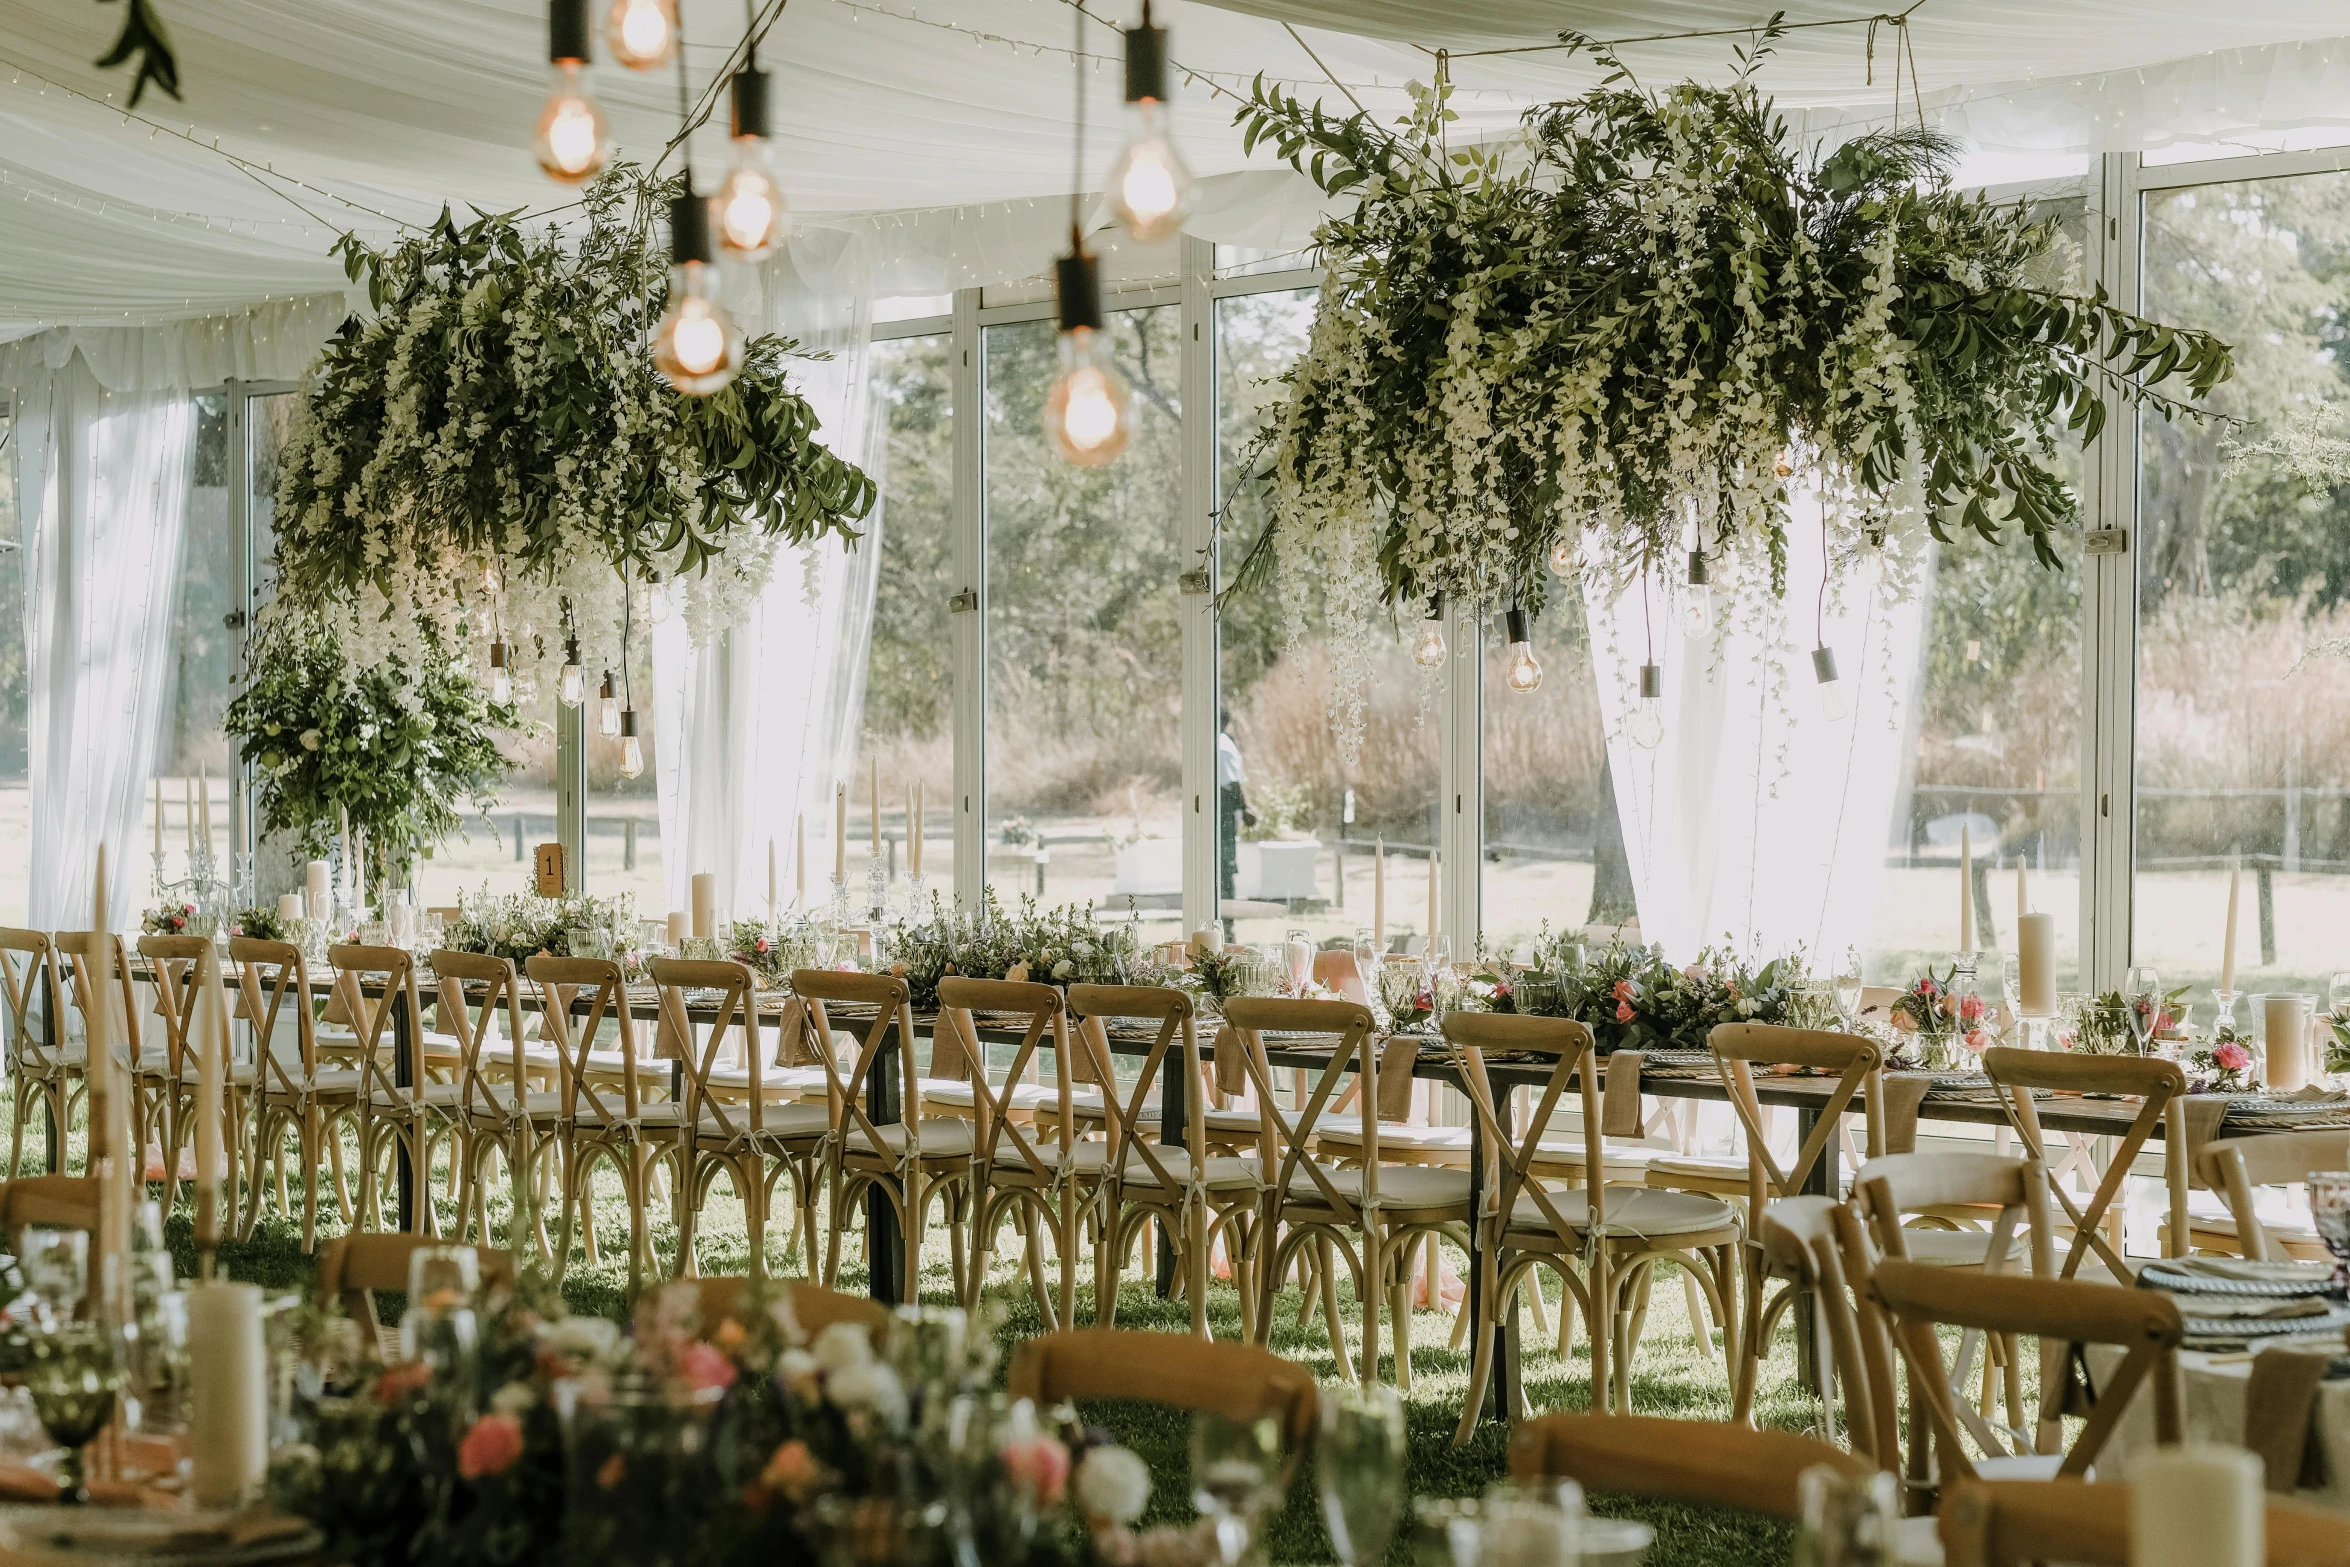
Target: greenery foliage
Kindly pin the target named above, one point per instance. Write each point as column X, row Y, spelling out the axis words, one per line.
column 1631, row 998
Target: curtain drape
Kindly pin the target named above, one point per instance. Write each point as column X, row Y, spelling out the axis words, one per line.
column 755, row 728
column 105, row 479
column 1758, row 817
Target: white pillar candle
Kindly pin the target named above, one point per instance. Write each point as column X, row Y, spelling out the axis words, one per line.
column 316, row 882
column 228, row 1426
column 2035, row 950
column 680, row 927
column 289, row 905
column 2197, row 1506
column 1966, row 891
column 1379, row 892
column 2285, row 1039
column 1205, row 940
column 705, row 905
column 2227, row 947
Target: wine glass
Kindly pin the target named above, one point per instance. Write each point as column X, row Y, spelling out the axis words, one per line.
column 1848, row 988
column 2143, row 991
column 1235, row 1476
column 439, row 1328
column 57, row 1272
column 1527, row 1524
column 73, row 1376
column 2338, row 994
column 1845, row 1522
column 2329, row 1211
column 1359, row 1468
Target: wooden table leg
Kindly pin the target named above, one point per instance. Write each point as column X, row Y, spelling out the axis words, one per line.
column 403, row 1029
column 1502, row 1395
column 1174, row 1127
column 885, row 1240
column 1825, row 1180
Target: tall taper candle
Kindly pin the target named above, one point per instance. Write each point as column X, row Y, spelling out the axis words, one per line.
column 1432, row 878
column 873, row 798
column 771, row 878
column 2227, row 946
column 799, row 856
column 1966, row 890
column 159, row 822
column 1379, row 892
column 840, row 832
column 346, row 845
column 228, row 1377
column 111, row 1157
column 188, row 810
column 913, row 832
column 2023, row 891
column 204, row 806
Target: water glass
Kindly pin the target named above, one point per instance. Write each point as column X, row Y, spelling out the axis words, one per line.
column 1236, row 1477
column 439, row 1328
column 1843, row 1522
column 1366, row 951
column 1848, row 988
column 57, row 1272
column 1359, row 1469
column 74, row 1377
column 1447, row 1531
column 2329, row 1211
column 1529, row 1524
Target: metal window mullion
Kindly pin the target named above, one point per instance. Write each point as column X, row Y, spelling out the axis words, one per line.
column 969, row 621
column 1196, row 601
column 1461, row 779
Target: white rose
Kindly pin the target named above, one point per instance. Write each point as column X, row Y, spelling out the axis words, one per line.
column 845, row 1346
column 1113, row 1484
column 514, row 1398
column 1063, row 969
column 309, row 739
column 583, row 1338
column 871, row 1385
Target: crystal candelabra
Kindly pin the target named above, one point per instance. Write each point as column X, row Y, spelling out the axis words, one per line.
column 203, row 890
column 2225, row 1001
column 840, row 900
column 877, row 892
column 917, row 900
column 1962, row 991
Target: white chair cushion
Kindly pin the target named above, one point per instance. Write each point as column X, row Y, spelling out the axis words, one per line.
column 943, row 1136
column 1401, row 1186
column 1224, row 1172
column 1645, row 1211
column 1415, row 1139
column 1709, row 1167
column 1955, row 1248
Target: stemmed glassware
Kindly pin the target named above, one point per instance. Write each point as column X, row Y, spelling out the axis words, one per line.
column 2329, row 1211
column 57, row 1272
column 74, row 1377
column 1848, row 988
column 2142, row 992
column 1359, row 1469
column 1236, row 1473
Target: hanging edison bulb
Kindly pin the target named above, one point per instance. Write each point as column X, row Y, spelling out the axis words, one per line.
column 632, row 753
column 642, row 33
column 1428, row 646
column 1835, row 701
column 1646, row 727
column 748, row 207
column 571, row 685
column 1085, row 407
column 501, row 674
column 572, row 141
column 1697, row 597
column 1523, row 673
column 697, row 347
column 608, row 709
column 1150, row 190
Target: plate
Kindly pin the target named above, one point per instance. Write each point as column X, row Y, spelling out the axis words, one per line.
column 158, row 1537
column 2160, row 1274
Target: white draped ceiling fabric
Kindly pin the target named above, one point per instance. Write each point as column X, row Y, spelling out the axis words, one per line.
column 925, row 147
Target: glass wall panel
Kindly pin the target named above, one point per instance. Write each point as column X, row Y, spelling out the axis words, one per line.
column 623, row 813
column 15, row 809
column 1084, row 687
column 1297, row 824
column 192, row 748
column 1554, row 854
column 908, row 733
column 2243, row 548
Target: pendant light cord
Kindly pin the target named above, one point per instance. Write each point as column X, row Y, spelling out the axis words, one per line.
column 627, row 615
column 1819, row 614
column 1077, row 163
column 685, row 107
column 1647, row 617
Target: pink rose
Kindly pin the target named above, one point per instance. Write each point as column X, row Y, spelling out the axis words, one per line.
column 491, row 1447
column 1970, row 1008
column 2232, row 1057
column 760, row 945
column 1623, row 990
column 1623, row 1011
column 704, row 1368
column 792, row 1471
column 1905, row 1023
column 1039, row 1465
column 1977, row 1040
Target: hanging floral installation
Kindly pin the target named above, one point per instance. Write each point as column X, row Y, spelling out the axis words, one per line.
column 1617, row 335
column 492, row 455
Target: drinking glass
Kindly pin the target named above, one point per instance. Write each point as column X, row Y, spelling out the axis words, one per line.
column 1359, row 1468
column 1848, row 988
column 1439, row 952
column 1366, row 950
column 57, row 1272
column 2329, row 1210
column 73, row 1376
column 2143, row 991
column 2338, row 994
column 1843, row 1522
column 1529, row 1525
column 439, row 1328
column 1235, row 1477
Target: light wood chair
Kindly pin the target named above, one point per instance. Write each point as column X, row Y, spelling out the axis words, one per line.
column 1369, row 1213
column 751, row 1139
column 1737, row 1048
column 41, row 1079
column 499, row 1114
column 601, row 1121
column 1055, row 1179
column 149, row 1067
column 1677, row 1460
column 2235, row 1166
column 1618, row 1235
column 353, row 1267
column 396, row 1117
column 2014, row 1523
column 1816, row 1247
column 914, row 1161
column 2160, row 1088
column 2063, row 1314
column 1242, row 1381
column 172, row 967
column 296, row 1095
column 60, row 1202
column 813, row 1307
column 1194, row 1196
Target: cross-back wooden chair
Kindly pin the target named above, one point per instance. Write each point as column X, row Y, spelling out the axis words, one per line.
column 1737, row 1048
column 751, row 1139
column 2160, row 1088
column 606, row 1115
column 1241, row 1381
column 912, row 1161
column 812, row 1307
column 499, row 1115
column 149, row 1076
column 1195, row 1196
column 2063, row 1314
column 43, row 1079
column 1049, row 1177
column 296, row 1094
column 2014, row 1523
column 396, row 1116
column 1615, row 1235
column 2236, row 1167
column 354, row 1267
column 1368, row 1212
column 1815, row 1245
column 173, row 965
column 1677, row 1460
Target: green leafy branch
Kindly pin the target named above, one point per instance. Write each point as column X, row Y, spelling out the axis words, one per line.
column 143, row 36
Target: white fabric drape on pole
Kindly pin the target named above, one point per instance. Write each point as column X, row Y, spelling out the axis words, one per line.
column 106, row 479
column 757, row 726
column 1757, row 817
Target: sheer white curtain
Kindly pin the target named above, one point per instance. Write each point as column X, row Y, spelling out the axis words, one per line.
column 753, row 729
column 1758, row 816
column 104, row 482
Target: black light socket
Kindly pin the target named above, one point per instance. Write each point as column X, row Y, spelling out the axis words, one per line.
column 1699, row 572
column 627, row 723
column 1823, row 665
column 1515, row 630
column 1146, row 63
column 1652, row 682
column 749, row 103
column 567, row 31
column 607, row 693
column 689, row 228
column 1077, row 285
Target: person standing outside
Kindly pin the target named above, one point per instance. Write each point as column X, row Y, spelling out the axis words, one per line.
column 1232, row 814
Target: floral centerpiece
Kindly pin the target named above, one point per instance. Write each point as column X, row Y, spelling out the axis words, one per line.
column 1631, row 997
column 2098, row 1025
column 771, row 949
column 262, row 924
column 1948, row 1023
column 518, row 926
column 2228, row 1060
column 1063, row 945
column 1551, row 353
column 168, row 919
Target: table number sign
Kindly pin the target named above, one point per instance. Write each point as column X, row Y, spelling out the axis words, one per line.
column 552, row 880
